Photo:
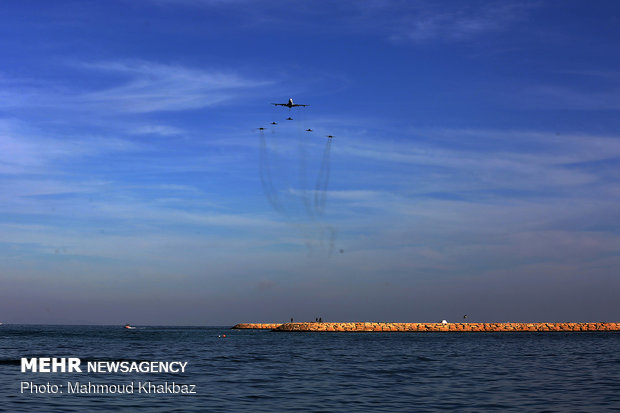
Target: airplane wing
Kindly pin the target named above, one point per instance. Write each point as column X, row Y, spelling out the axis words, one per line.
column 297, row 104
column 279, row 104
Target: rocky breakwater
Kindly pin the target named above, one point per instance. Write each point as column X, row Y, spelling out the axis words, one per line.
column 446, row 327
column 256, row 326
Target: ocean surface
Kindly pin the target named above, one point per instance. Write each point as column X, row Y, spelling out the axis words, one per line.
column 262, row 371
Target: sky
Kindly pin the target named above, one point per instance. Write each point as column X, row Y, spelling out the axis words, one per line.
column 474, row 167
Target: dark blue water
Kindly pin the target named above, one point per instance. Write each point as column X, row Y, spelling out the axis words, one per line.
column 261, row 371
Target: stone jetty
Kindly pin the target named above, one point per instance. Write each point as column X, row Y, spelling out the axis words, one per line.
column 256, row 326
column 430, row 327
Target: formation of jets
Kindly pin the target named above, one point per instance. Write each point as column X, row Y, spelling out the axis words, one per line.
column 290, row 104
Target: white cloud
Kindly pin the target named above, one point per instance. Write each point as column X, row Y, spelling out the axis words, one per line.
column 159, row 87
column 463, row 160
column 428, row 22
column 162, row 130
column 565, row 97
column 29, row 150
column 147, row 87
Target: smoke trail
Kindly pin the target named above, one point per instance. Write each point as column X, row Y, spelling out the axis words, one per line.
column 303, row 214
column 303, row 171
column 320, row 190
column 265, row 176
column 327, row 233
column 332, row 239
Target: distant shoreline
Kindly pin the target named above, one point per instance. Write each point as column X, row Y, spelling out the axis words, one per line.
column 428, row 327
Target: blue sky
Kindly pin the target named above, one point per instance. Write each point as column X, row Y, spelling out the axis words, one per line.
column 474, row 168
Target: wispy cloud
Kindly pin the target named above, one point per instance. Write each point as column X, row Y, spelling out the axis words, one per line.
column 494, row 159
column 26, row 149
column 399, row 20
column 162, row 130
column 158, row 87
column 569, row 97
column 145, row 87
column 425, row 22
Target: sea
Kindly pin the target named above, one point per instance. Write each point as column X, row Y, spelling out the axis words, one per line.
column 264, row 371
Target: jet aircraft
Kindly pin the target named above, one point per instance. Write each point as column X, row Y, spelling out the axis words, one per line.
column 289, row 118
column 308, row 130
column 289, row 104
column 329, row 136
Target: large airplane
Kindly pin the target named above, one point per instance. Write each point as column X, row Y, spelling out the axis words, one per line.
column 290, row 104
